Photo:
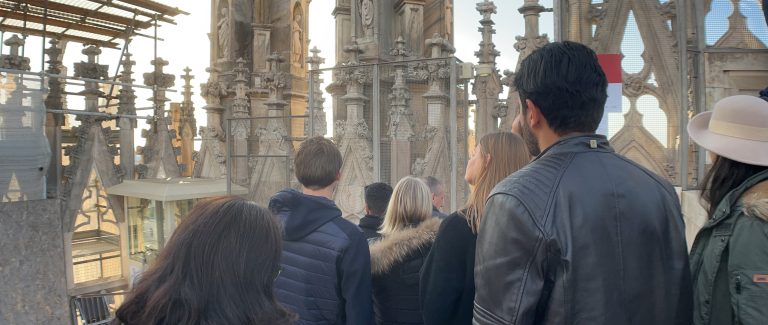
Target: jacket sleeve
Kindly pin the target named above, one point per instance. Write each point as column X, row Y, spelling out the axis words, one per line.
column 356, row 282
column 443, row 274
column 509, row 264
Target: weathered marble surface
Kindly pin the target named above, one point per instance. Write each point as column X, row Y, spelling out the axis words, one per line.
column 33, row 287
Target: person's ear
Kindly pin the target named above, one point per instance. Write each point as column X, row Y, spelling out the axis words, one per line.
column 533, row 114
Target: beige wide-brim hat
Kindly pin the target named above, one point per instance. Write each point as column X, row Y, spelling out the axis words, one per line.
column 737, row 129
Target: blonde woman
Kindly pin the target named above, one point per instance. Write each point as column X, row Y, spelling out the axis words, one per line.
column 408, row 233
column 447, row 279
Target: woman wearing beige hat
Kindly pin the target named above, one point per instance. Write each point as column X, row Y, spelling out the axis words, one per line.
column 729, row 258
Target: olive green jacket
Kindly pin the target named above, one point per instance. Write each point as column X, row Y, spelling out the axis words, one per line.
column 729, row 259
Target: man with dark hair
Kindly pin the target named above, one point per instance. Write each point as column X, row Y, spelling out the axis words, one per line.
column 437, row 189
column 376, row 199
column 581, row 235
column 326, row 270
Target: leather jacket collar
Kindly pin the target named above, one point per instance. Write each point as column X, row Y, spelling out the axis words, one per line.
column 578, row 143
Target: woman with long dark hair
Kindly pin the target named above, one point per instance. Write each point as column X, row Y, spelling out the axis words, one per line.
column 447, row 278
column 729, row 258
column 217, row 268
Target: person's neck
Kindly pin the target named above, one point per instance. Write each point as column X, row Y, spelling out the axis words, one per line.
column 326, row 192
column 548, row 139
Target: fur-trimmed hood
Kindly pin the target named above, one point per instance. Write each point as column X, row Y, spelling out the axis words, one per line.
column 394, row 248
column 756, row 201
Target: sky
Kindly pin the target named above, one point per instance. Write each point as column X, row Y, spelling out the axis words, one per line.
column 186, row 45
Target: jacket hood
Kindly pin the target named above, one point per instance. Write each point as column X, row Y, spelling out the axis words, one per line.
column 394, row 248
column 756, row 201
column 302, row 214
column 370, row 222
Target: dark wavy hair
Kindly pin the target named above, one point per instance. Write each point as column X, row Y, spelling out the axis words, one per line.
column 723, row 177
column 566, row 82
column 218, row 267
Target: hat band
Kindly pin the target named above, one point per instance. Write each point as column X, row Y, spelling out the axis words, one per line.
column 738, row 130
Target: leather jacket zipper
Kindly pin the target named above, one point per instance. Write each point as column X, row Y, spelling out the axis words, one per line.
column 738, row 284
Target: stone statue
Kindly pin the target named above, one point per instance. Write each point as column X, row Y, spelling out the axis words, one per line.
column 224, row 34
column 366, row 13
column 297, row 40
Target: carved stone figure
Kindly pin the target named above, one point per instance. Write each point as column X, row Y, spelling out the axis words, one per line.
column 297, row 40
column 224, row 34
column 366, row 13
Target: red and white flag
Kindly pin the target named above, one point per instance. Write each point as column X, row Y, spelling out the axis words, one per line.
column 611, row 64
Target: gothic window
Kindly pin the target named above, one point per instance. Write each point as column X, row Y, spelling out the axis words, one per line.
column 632, row 47
column 654, row 119
column 96, row 238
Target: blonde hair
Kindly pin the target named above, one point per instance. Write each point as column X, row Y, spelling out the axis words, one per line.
column 507, row 153
column 411, row 203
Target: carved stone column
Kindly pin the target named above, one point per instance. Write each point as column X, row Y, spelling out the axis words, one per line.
column 525, row 45
column 487, row 86
column 353, row 137
column 187, row 125
column 318, row 111
column 159, row 155
column 210, row 162
column 400, row 116
column 127, row 105
column 271, row 172
column 54, row 121
column 240, row 128
column 436, row 161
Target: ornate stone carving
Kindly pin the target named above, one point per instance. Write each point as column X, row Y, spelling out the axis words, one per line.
column 317, row 111
column 353, row 138
column 596, row 13
column 14, row 60
column 91, row 69
column 297, row 39
column 55, row 98
column 224, row 34
column 367, row 16
column 159, row 154
column 270, row 172
column 668, row 10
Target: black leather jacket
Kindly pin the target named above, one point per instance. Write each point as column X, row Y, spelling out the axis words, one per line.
column 582, row 235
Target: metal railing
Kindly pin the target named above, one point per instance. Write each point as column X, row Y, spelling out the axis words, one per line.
column 94, row 309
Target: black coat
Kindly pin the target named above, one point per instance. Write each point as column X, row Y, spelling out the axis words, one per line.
column 325, row 278
column 582, row 235
column 370, row 226
column 447, row 286
column 396, row 260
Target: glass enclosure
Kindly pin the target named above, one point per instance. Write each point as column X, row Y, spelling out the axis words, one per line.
column 151, row 223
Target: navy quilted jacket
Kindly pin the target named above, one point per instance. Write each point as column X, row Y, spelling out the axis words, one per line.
column 326, row 275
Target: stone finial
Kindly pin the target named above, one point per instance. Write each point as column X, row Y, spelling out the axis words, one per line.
column 14, row 60
column 158, row 77
column 400, row 51
column 15, row 42
column 353, row 52
column 91, row 52
column 91, row 69
column 187, row 84
column 486, row 8
column 128, row 65
column 274, row 60
column 53, row 52
column 315, row 60
column 487, row 52
column 240, row 70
